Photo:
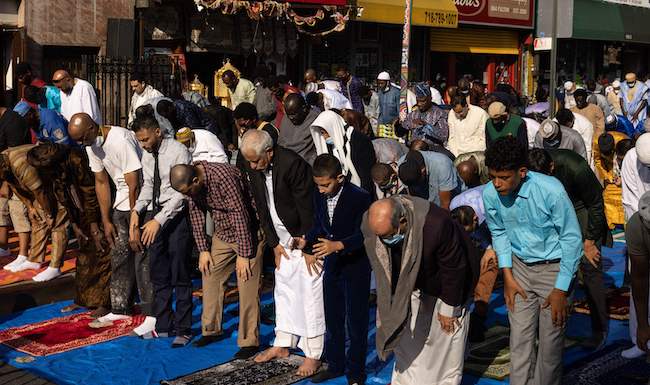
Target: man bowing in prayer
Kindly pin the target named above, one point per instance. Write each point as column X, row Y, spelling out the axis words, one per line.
column 423, row 313
column 281, row 183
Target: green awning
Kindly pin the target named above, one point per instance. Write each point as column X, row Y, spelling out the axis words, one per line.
column 599, row 20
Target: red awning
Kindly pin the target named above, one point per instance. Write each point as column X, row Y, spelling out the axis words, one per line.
column 320, row 2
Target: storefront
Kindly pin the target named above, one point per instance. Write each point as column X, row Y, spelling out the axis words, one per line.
column 373, row 42
column 488, row 45
column 597, row 39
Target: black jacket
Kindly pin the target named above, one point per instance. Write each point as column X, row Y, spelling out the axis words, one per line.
column 293, row 190
column 363, row 158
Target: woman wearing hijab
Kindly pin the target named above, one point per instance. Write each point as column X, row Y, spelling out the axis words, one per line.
column 352, row 148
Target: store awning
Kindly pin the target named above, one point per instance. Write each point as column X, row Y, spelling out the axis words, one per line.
column 428, row 13
column 610, row 22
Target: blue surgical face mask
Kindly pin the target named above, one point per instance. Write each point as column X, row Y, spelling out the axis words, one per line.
column 394, row 240
column 329, row 141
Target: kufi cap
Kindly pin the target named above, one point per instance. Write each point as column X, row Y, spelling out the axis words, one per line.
column 496, row 110
column 549, row 129
column 383, row 76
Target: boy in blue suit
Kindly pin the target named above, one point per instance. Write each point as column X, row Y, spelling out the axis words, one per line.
column 336, row 239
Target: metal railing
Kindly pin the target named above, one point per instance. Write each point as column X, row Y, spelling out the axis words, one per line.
column 111, row 77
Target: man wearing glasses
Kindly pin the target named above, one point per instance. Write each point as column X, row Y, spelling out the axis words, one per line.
column 77, row 96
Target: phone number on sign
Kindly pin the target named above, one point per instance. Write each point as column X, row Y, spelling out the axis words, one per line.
column 440, row 18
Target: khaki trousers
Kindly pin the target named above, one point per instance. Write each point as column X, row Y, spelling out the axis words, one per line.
column 41, row 232
column 224, row 257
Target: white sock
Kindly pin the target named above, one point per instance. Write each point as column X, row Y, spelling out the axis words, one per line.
column 19, row 260
column 47, row 274
column 25, row 266
column 4, row 252
column 632, row 352
column 110, row 317
column 148, row 325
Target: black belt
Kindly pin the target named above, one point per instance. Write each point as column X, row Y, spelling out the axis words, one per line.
column 545, row 262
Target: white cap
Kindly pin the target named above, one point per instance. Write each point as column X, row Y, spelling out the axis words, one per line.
column 616, row 84
column 568, row 85
column 643, row 149
column 383, row 76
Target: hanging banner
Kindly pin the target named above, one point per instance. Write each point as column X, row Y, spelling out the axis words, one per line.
column 634, row 3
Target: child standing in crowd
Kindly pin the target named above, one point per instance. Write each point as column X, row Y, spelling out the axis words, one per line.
column 336, row 238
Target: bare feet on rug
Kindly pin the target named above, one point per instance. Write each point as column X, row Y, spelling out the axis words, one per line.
column 99, row 312
column 309, row 367
column 272, row 353
column 70, row 308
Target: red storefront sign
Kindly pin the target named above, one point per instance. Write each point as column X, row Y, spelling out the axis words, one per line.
column 511, row 13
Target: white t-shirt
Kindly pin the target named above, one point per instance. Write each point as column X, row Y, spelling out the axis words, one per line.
column 207, row 147
column 532, row 126
column 118, row 154
column 82, row 98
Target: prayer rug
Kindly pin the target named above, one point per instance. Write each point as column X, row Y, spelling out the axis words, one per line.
column 245, row 372
column 491, row 358
column 618, row 303
column 607, row 367
column 64, row 333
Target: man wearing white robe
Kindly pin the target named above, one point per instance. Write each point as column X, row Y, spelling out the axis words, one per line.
column 203, row 145
column 142, row 93
column 77, row 96
column 282, row 187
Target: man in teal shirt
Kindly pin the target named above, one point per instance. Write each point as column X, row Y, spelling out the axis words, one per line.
column 537, row 239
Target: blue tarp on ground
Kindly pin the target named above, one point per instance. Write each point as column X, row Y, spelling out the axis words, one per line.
column 130, row 360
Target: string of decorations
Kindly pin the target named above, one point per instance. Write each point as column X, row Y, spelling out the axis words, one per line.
column 270, row 9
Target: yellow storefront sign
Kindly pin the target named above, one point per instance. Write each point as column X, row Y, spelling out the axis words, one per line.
column 428, row 13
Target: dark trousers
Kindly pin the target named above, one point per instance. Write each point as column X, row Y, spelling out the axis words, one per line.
column 129, row 271
column 169, row 257
column 346, row 287
column 592, row 278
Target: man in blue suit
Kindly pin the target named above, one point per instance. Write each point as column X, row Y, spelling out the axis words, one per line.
column 336, row 239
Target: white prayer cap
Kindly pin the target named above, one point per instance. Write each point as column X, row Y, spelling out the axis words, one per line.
column 643, row 149
column 549, row 129
column 568, row 85
column 616, row 84
column 383, row 76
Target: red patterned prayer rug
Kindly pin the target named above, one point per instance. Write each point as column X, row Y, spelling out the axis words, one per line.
column 64, row 333
column 618, row 303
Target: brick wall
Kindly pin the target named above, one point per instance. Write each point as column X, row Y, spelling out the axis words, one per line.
column 73, row 22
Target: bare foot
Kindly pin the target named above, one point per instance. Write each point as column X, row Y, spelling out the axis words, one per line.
column 99, row 312
column 272, row 353
column 70, row 308
column 309, row 367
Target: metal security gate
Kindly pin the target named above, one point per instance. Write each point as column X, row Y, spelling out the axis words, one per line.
column 111, row 76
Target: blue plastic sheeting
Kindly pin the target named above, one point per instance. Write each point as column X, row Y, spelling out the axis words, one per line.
column 130, row 360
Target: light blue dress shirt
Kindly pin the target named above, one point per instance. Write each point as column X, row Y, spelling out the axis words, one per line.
column 441, row 174
column 472, row 198
column 537, row 223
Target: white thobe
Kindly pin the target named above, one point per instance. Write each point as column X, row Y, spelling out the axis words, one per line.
column 138, row 100
column 334, row 99
column 532, row 126
column 299, row 307
column 635, row 178
column 586, row 129
column 82, row 98
column 467, row 135
column 207, row 147
column 425, row 354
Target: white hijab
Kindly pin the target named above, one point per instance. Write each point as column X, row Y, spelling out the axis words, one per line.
column 341, row 134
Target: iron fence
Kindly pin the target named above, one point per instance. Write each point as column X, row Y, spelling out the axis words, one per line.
column 111, row 77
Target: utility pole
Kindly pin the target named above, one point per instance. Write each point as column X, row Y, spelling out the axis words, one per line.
column 554, row 49
column 404, row 72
